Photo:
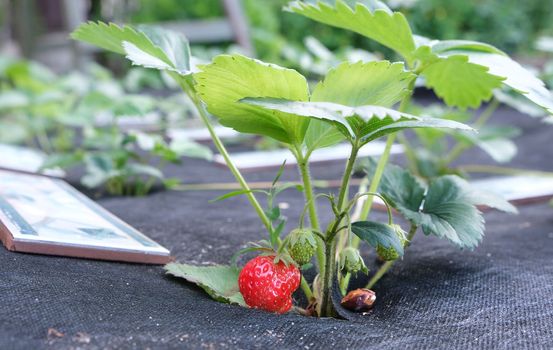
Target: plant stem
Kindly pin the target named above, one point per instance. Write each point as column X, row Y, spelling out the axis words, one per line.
column 388, row 264
column 487, row 113
column 409, row 153
column 223, row 151
column 303, row 167
column 306, row 289
column 375, row 182
column 461, row 146
column 326, row 306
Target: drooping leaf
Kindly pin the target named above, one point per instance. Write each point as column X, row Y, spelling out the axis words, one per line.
column 228, row 79
column 465, row 73
column 517, row 101
column 234, row 194
column 219, row 281
column 516, row 77
column 378, row 234
column 376, row 22
column 446, row 208
column 147, row 46
column 365, row 123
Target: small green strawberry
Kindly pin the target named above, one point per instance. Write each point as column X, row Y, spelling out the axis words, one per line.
column 351, row 261
column 389, row 254
column 301, row 245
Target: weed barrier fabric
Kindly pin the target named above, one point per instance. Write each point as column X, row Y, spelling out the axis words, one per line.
column 498, row 295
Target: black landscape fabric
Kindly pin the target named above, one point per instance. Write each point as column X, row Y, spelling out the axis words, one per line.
column 497, row 296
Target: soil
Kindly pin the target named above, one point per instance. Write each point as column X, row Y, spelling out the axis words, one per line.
column 497, row 296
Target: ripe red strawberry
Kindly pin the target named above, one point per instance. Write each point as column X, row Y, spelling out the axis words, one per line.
column 268, row 286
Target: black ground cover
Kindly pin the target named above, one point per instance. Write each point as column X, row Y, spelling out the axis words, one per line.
column 498, row 296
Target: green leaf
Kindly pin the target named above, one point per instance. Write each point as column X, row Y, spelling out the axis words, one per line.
column 143, row 169
column 446, row 208
column 228, row 79
column 379, row 83
column 234, row 194
column 189, row 148
column 400, row 188
column 99, row 169
column 517, row 101
column 378, row 23
column 448, row 214
column 219, row 281
column 461, row 83
column 356, row 84
column 475, row 69
column 148, row 46
column 365, row 123
column 378, row 234
column 516, row 77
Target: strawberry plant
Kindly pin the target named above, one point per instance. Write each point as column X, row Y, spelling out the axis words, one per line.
column 353, row 103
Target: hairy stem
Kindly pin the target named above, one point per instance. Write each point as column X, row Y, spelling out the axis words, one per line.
column 409, row 154
column 329, row 276
column 303, row 167
column 223, row 151
column 388, row 264
column 375, row 182
column 306, row 289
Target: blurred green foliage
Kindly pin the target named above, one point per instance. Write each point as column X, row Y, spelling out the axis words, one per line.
column 511, row 25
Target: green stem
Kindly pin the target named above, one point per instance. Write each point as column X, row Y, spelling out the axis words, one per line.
column 306, row 289
column 223, row 151
column 375, row 182
column 303, row 167
column 461, row 146
column 409, row 153
column 326, row 307
column 388, row 264
column 487, row 113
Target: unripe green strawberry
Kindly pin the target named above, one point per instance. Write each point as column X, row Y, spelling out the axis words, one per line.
column 389, row 254
column 351, row 261
column 301, row 245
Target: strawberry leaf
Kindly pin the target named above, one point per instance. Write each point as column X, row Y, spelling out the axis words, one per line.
column 219, row 281
column 228, row 79
column 446, row 208
column 365, row 123
column 378, row 234
column 465, row 73
column 146, row 46
column 461, row 83
column 369, row 18
column 355, row 84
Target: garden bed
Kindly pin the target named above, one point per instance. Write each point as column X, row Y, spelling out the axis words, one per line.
column 496, row 296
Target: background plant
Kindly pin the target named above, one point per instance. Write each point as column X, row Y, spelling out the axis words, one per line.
column 76, row 119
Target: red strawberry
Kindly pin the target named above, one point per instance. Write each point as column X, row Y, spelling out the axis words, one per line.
column 268, row 286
